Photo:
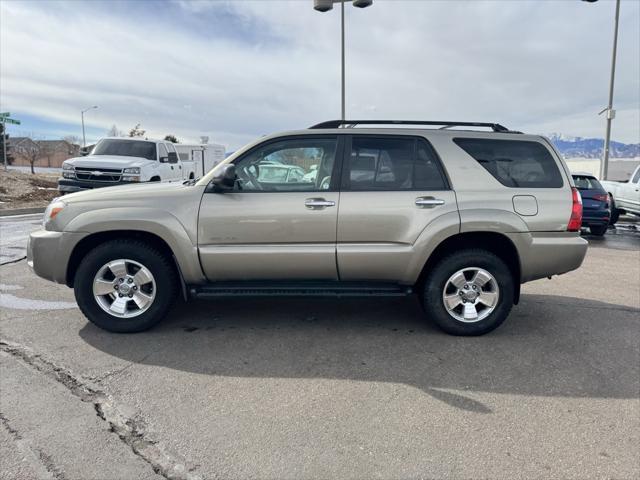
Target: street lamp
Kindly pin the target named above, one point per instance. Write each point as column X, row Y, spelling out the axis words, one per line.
column 611, row 113
column 84, row 142
column 325, row 6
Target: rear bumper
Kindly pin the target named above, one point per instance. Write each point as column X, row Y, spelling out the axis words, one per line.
column 595, row 217
column 543, row 254
column 48, row 253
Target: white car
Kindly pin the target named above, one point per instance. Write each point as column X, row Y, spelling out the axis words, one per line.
column 116, row 161
column 625, row 196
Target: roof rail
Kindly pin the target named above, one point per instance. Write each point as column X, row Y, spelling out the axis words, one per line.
column 496, row 127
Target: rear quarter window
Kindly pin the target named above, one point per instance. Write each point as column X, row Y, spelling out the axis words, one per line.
column 514, row 163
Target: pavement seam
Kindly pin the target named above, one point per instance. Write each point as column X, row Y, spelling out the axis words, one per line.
column 13, row 261
column 39, row 460
column 129, row 430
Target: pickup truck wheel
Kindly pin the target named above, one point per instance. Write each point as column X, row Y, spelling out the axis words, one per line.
column 125, row 286
column 615, row 213
column 469, row 292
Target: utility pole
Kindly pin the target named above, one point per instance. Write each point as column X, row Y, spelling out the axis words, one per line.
column 611, row 113
column 84, row 141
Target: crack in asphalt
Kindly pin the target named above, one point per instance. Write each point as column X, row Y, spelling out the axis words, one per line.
column 40, row 460
column 131, row 431
column 13, row 261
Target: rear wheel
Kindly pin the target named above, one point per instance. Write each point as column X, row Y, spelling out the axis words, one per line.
column 615, row 213
column 469, row 292
column 125, row 286
column 598, row 230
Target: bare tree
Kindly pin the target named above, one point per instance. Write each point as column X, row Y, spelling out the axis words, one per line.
column 114, row 132
column 72, row 139
column 30, row 151
column 204, row 139
column 137, row 131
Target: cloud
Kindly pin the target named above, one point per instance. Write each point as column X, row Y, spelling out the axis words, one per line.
column 237, row 70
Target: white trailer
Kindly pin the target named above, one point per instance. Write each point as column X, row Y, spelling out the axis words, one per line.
column 198, row 159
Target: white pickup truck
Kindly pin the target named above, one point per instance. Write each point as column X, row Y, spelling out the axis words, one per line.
column 116, row 161
column 625, row 196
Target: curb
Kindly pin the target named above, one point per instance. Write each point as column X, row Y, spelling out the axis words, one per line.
column 21, row 211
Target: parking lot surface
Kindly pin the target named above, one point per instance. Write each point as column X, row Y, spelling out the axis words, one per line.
column 309, row 388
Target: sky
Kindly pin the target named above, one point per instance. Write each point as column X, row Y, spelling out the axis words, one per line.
column 237, row 70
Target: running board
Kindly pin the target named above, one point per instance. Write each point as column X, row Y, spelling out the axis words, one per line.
column 299, row 289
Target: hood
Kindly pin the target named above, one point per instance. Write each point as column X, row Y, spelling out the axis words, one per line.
column 123, row 192
column 107, row 161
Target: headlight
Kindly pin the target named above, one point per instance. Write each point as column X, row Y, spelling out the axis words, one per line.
column 68, row 171
column 53, row 209
column 134, row 170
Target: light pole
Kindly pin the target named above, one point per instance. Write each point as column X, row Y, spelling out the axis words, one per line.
column 611, row 113
column 84, row 142
column 325, row 6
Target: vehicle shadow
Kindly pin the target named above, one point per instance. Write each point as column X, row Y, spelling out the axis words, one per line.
column 549, row 346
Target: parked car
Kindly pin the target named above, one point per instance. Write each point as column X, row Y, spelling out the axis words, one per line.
column 198, row 159
column 596, row 207
column 116, row 161
column 459, row 218
column 625, row 196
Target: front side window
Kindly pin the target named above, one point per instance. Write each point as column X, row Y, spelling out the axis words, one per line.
column 514, row 163
column 302, row 165
column 162, row 151
column 126, row 148
column 636, row 177
column 393, row 164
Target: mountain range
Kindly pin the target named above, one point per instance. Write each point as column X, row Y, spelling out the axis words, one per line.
column 579, row 147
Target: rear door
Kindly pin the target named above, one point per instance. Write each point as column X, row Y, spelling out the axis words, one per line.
column 393, row 186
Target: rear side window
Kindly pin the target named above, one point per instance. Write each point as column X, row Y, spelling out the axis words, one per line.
column 584, row 182
column 393, row 164
column 514, row 163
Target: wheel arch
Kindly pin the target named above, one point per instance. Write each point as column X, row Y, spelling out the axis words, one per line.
column 494, row 242
column 91, row 241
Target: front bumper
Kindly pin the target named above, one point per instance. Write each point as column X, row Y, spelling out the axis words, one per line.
column 48, row 253
column 70, row 185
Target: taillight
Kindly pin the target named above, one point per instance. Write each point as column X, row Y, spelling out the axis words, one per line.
column 601, row 197
column 575, row 221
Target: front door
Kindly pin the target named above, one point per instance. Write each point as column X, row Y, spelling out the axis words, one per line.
column 393, row 187
column 279, row 222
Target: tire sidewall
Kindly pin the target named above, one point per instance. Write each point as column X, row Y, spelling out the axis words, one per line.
column 436, row 280
column 137, row 251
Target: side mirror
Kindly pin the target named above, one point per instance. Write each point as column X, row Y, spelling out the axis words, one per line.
column 173, row 157
column 225, row 179
column 164, row 159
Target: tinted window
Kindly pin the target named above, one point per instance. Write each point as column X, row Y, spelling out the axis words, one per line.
column 514, row 163
column 126, row 148
column 393, row 164
column 585, row 182
column 303, row 165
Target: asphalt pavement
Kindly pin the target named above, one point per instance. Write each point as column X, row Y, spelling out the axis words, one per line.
column 315, row 388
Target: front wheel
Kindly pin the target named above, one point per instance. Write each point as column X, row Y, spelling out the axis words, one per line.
column 469, row 292
column 615, row 213
column 125, row 286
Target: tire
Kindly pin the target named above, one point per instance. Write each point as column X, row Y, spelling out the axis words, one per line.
column 469, row 261
column 157, row 281
column 615, row 213
column 598, row 230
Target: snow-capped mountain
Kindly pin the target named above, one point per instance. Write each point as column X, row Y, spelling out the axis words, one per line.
column 578, row 147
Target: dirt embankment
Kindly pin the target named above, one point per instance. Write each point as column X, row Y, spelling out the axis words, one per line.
column 24, row 190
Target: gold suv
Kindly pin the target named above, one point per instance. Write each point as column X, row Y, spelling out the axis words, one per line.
column 459, row 217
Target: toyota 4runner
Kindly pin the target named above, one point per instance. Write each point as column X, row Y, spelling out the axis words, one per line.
column 461, row 218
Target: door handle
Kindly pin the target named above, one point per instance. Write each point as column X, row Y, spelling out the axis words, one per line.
column 428, row 202
column 318, row 203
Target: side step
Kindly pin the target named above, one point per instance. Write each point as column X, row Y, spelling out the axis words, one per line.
column 299, row 289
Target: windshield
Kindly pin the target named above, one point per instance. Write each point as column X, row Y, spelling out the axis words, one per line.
column 584, row 182
column 126, row 148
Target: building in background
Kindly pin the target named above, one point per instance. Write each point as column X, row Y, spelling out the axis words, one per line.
column 48, row 153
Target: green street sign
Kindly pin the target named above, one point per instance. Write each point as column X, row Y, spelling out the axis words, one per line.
column 5, row 114
column 10, row 120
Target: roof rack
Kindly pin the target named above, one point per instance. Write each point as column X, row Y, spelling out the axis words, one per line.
column 496, row 127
